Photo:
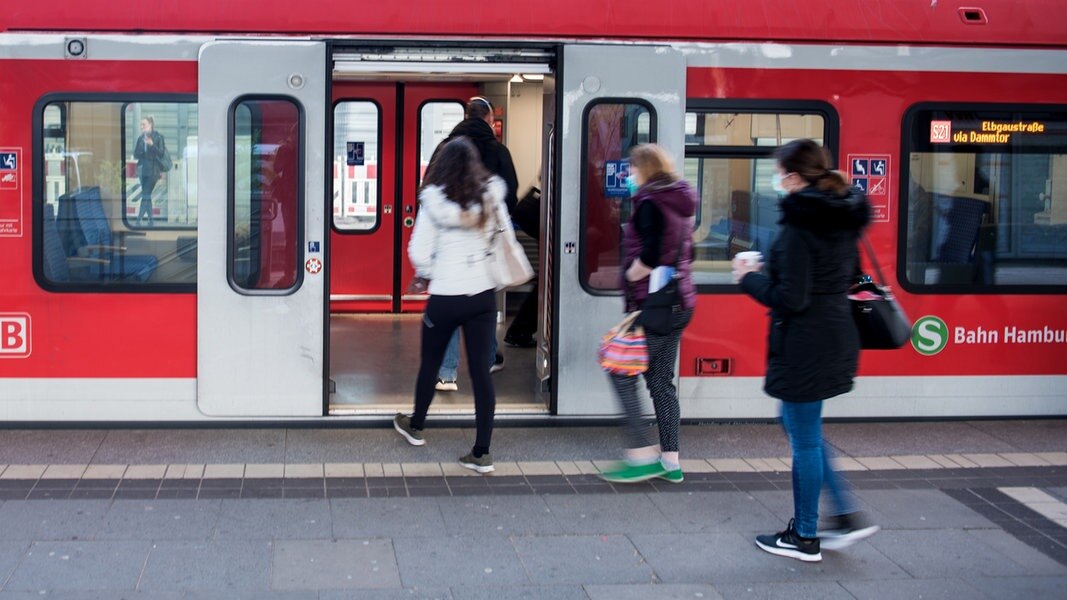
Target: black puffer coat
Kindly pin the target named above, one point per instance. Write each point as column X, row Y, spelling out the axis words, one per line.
column 813, row 346
column 495, row 156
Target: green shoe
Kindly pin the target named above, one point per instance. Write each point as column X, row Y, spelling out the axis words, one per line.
column 402, row 425
column 625, row 472
column 674, row 476
column 483, row 464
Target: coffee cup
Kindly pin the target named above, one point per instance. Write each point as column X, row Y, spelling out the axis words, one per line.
column 750, row 258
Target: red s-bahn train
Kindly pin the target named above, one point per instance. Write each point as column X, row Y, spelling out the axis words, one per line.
column 255, row 268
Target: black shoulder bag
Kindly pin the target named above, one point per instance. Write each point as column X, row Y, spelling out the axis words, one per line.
column 881, row 322
column 659, row 306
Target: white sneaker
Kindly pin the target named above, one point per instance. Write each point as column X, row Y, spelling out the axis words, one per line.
column 446, row 386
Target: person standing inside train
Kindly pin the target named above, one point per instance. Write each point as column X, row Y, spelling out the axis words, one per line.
column 659, row 234
column 149, row 152
column 461, row 204
column 813, row 345
column 477, row 126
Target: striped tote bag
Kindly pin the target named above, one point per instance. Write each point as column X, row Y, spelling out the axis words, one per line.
column 623, row 350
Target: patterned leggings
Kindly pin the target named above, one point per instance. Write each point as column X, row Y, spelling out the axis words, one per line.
column 659, row 378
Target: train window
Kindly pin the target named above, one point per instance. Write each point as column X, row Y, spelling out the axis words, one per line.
column 985, row 205
column 728, row 159
column 611, row 129
column 88, row 194
column 437, row 118
column 266, row 199
column 356, row 133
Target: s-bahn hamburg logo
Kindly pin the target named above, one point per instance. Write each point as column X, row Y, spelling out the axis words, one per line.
column 929, row 335
column 14, row 335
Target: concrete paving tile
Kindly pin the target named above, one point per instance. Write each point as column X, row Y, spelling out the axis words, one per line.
column 224, row 471
column 846, row 463
column 829, row 590
column 917, row 461
column 963, row 554
column 606, row 514
column 696, row 465
column 264, row 471
column 392, row 470
column 11, row 554
column 539, row 468
column 401, row 594
column 386, row 517
column 49, row 446
column 422, row 469
column 23, row 471
column 104, row 472
column 1023, row 459
column 267, row 519
column 160, row 520
column 1058, row 459
column 962, row 461
column 657, row 591
column 374, row 470
column 1044, row 435
column 458, row 561
column 112, row 594
column 66, row 520
column 713, row 511
column 944, row 461
column 730, row 465
column 879, row 463
column 1027, row 495
column 586, row 467
column 145, row 472
column 1022, row 588
column 735, row 558
column 334, row 564
column 987, row 460
column 498, row 515
column 1059, row 492
column 910, row 589
column 63, row 472
column 257, row 595
column 523, row 592
column 568, row 467
column 921, row 509
column 582, row 559
column 216, row 566
column 343, row 469
column 304, row 470
column 81, row 565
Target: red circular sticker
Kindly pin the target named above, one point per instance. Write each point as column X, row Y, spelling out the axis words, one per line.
column 313, row 266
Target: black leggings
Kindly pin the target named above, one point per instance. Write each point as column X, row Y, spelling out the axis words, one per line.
column 477, row 315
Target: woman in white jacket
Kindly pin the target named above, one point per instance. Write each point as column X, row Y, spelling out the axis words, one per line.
column 460, row 205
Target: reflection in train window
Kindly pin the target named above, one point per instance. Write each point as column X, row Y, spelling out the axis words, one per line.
column 729, row 162
column 266, row 201
column 95, row 171
column 355, row 165
column 437, row 119
column 987, row 198
column 611, row 129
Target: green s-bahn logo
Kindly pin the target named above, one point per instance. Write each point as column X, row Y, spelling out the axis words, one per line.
column 929, row 335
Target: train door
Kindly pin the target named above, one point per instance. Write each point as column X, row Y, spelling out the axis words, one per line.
column 383, row 136
column 260, row 282
column 615, row 97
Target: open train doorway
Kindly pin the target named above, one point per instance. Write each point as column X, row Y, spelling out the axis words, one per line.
column 390, row 108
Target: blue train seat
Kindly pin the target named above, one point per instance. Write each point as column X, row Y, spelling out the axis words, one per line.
column 98, row 241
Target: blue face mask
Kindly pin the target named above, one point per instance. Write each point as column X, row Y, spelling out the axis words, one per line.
column 776, row 183
column 631, row 185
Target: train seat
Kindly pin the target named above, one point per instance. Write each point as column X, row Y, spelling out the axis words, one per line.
column 99, row 241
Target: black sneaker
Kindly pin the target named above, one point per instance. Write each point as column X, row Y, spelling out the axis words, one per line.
column 498, row 363
column 402, row 425
column 844, row 530
column 789, row 543
column 482, row 464
column 520, row 341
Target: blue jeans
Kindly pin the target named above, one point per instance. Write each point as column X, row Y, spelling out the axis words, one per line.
column 811, row 466
column 450, row 364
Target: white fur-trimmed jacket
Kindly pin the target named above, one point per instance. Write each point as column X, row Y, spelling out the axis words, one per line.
column 448, row 247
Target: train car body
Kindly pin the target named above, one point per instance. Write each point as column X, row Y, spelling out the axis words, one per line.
column 256, row 269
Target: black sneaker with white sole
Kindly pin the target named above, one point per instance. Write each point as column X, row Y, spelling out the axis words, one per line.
column 498, row 364
column 844, row 530
column 789, row 543
column 402, row 425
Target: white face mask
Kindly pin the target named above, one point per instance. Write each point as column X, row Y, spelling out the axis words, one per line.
column 776, row 184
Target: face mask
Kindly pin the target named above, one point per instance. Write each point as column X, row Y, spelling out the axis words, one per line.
column 776, row 184
column 631, row 185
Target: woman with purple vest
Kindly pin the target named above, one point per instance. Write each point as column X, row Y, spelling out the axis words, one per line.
column 659, row 234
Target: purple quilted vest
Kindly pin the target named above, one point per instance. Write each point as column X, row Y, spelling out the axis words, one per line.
column 677, row 202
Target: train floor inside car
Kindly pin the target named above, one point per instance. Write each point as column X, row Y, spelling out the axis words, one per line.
column 374, row 359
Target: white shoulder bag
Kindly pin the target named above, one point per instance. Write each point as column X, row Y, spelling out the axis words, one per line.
column 508, row 266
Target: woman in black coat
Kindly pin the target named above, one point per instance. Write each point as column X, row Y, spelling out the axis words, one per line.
column 813, row 345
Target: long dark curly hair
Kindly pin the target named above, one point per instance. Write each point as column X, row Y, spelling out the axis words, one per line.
column 457, row 168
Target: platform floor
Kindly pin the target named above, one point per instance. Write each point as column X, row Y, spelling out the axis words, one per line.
column 967, row 510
